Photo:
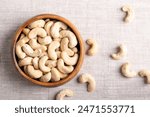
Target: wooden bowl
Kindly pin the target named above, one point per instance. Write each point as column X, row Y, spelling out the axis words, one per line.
column 80, row 44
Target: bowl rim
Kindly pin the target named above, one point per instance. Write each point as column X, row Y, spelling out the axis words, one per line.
column 81, row 46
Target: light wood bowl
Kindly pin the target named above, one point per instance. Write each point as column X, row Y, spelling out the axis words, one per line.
column 80, row 47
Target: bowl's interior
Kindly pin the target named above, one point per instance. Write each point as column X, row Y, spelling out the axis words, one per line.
column 80, row 48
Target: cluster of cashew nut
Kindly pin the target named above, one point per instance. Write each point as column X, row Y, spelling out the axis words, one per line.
column 47, row 50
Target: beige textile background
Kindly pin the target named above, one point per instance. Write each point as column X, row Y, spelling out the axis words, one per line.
column 98, row 19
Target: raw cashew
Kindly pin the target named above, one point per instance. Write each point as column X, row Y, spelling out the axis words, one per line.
column 126, row 72
column 51, row 50
column 93, row 47
column 21, row 36
column 25, row 69
column 43, row 54
column 145, row 74
column 64, row 93
column 58, row 54
column 57, row 39
column 62, row 68
column 26, row 31
column 47, row 26
column 75, row 50
column 87, row 78
column 71, row 36
column 42, row 62
column 45, row 40
column 51, row 63
column 46, row 77
column 38, row 23
column 29, row 51
column 19, row 45
column 25, row 61
column 37, row 32
column 69, row 60
column 56, row 28
column 122, row 50
column 64, row 46
column 35, row 62
column 129, row 13
column 57, row 75
column 34, row 73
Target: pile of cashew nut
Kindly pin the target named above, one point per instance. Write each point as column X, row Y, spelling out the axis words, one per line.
column 47, row 50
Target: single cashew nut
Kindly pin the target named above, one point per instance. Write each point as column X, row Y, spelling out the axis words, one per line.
column 75, row 50
column 45, row 40
column 126, row 72
column 37, row 32
column 64, row 46
column 25, row 61
column 46, row 77
column 145, row 74
column 69, row 60
column 62, row 68
column 35, row 62
column 19, row 45
column 93, row 47
column 71, row 36
column 64, row 93
column 56, row 28
column 33, row 73
column 129, row 13
column 38, row 23
column 29, row 51
column 51, row 63
column 51, row 50
column 47, row 26
column 87, row 78
column 26, row 31
column 42, row 62
column 122, row 50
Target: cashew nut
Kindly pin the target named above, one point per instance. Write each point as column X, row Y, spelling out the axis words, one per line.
column 46, row 77
column 25, row 61
column 145, row 74
column 19, row 45
column 26, row 31
column 56, row 28
column 69, row 60
column 64, row 93
column 126, row 72
column 37, row 32
column 43, row 54
column 29, row 51
column 62, row 68
column 33, row 73
column 129, row 13
column 87, row 78
column 64, row 46
column 21, row 36
column 75, row 50
column 57, row 39
column 25, row 69
column 51, row 63
column 38, row 23
column 42, row 62
column 46, row 20
column 93, row 47
column 51, row 50
column 35, row 62
column 47, row 26
column 71, row 36
column 45, row 40
column 122, row 50
column 58, row 54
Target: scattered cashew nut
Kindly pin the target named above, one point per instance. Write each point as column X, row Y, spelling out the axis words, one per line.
column 145, row 74
column 93, row 47
column 64, row 93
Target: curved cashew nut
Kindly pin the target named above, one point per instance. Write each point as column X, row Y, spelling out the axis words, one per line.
column 56, row 28
column 51, row 63
column 69, row 60
column 45, row 40
column 145, row 74
column 19, row 45
column 87, row 78
column 46, row 77
column 64, row 93
column 93, row 47
column 64, row 46
column 25, row 61
column 51, row 50
column 122, row 50
column 42, row 62
column 26, row 31
column 126, row 72
column 47, row 26
column 62, row 68
column 33, row 73
column 29, row 51
column 35, row 62
column 71, row 36
column 38, row 23
column 57, row 75
column 129, row 13
column 37, row 32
